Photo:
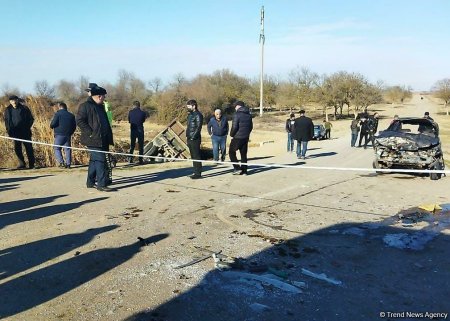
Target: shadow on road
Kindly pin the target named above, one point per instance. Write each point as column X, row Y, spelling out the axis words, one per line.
column 375, row 273
column 30, row 214
column 10, row 183
column 37, row 287
column 23, row 257
column 322, row 155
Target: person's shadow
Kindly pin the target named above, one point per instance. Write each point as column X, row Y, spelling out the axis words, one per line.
column 35, row 288
column 10, row 218
column 10, row 183
column 23, row 257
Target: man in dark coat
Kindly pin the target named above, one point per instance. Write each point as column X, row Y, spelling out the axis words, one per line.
column 240, row 132
column 136, row 118
column 18, row 122
column 372, row 126
column 304, row 132
column 63, row 125
column 97, row 135
column 193, row 135
column 364, row 131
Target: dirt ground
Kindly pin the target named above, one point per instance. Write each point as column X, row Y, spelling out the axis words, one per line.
column 72, row 253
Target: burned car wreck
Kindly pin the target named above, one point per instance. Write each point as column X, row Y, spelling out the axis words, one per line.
column 410, row 143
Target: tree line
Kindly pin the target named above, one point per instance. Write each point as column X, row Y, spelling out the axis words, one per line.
column 336, row 94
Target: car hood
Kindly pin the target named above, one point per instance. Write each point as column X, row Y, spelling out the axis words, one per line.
column 406, row 141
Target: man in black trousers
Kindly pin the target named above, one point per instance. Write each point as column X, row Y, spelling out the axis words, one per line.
column 97, row 135
column 193, row 135
column 240, row 132
column 136, row 118
column 18, row 122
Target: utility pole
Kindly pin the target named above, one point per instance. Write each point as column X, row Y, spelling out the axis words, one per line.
column 262, row 39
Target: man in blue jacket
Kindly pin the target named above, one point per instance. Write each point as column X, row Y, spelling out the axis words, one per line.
column 218, row 130
column 63, row 125
column 97, row 135
column 240, row 131
column 136, row 118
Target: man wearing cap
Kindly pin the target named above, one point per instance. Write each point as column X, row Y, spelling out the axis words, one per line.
column 304, row 132
column 193, row 136
column 90, row 86
column 97, row 135
column 241, row 128
column 18, row 122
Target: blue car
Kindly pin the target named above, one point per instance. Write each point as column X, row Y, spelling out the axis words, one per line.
column 319, row 132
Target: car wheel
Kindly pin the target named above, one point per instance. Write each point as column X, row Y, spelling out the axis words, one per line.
column 435, row 176
column 439, row 166
column 377, row 165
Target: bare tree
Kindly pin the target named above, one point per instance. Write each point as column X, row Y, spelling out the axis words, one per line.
column 302, row 85
column 44, row 89
column 83, row 83
column 441, row 90
column 155, row 84
column 8, row 90
column 67, row 91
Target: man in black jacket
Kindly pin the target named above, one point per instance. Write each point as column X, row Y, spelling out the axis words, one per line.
column 64, row 125
column 372, row 126
column 136, row 118
column 240, row 132
column 304, row 132
column 290, row 130
column 18, row 122
column 96, row 134
column 193, row 135
column 364, row 131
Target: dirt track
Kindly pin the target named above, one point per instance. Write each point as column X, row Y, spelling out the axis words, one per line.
column 68, row 253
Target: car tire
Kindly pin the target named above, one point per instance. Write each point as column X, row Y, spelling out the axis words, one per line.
column 439, row 166
column 377, row 165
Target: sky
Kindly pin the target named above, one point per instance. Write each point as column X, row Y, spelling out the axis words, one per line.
column 400, row 42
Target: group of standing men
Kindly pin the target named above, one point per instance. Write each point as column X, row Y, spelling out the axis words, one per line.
column 300, row 129
column 242, row 126
column 366, row 126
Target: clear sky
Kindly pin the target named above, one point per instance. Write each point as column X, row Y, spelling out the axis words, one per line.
column 403, row 42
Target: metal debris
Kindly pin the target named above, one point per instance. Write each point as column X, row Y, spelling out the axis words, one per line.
column 195, row 261
column 321, row 276
column 263, row 279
